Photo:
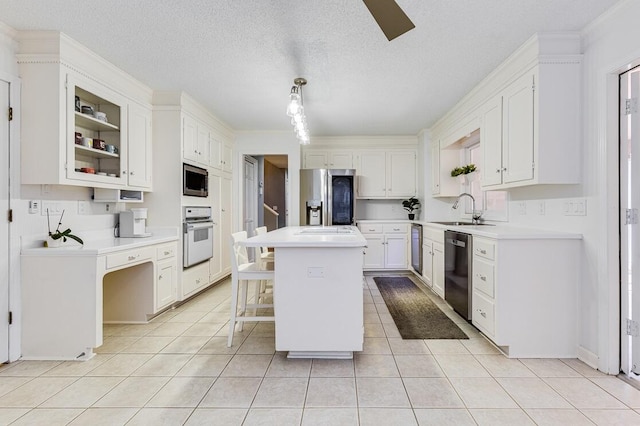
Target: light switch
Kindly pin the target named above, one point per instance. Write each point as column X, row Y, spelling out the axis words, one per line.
column 315, row 272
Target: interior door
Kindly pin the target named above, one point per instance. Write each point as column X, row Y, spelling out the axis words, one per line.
column 250, row 195
column 4, row 223
column 629, row 232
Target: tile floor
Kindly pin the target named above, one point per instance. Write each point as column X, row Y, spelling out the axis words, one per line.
column 178, row 370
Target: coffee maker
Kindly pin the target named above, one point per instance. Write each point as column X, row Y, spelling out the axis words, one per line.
column 133, row 223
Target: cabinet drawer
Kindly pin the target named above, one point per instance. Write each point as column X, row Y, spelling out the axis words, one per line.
column 434, row 234
column 166, row 251
column 483, row 276
column 129, row 256
column 483, row 313
column 370, row 228
column 484, row 248
column 396, row 228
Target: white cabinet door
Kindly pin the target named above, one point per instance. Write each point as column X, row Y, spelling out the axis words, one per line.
column 518, row 130
column 438, row 268
column 189, row 139
column 427, row 262
column 166, row 281
column 225, row 220
column 401, row 174
column 316, row 160
column 374, row 252
column 396, row 251
column 435, row 167
column 227, row 155
column 491, row 142
column 204, row 144
column 219, row 241
column 215, row 146
column 371, row 175
column 340, row 160
column 139, row 146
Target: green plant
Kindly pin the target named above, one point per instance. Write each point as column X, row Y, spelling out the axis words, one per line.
column 57, row 234
column 464, row 170
column 411, row 204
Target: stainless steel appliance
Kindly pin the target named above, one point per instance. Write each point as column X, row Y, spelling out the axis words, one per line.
column 195, row 181
column 133, row 223
column 327, row 196
column 416, row 247
column 457, row 272
column 197, row 235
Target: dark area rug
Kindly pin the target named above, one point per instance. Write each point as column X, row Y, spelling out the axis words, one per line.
column 415, row 315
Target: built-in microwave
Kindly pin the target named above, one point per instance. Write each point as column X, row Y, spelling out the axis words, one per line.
column 195, row 181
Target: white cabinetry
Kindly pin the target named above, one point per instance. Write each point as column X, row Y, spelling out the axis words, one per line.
column 331, row 159
column 433, row 259
column 442, row 162
column 527, row 310
column 387, row 245
column 196, row 144
column 139, row 147
column 389, row 174
column 166, row 276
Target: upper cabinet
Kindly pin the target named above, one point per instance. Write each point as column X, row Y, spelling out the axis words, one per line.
column 332, row 159
column 78, row 128
column 386, row 174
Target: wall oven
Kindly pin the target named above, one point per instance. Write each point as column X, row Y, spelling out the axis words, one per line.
column 195, row 181
column 197, row 236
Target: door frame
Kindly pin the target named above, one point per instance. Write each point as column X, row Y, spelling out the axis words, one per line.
column 251, row 191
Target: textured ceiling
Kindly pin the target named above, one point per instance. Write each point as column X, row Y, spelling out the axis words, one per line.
column 239, row 57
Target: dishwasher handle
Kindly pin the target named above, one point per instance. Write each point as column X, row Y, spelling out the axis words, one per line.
column 455, row 242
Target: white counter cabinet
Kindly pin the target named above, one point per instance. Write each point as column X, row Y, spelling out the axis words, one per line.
column 433, row 259
column 387, row 245
column 390, row 174
column 67, row 293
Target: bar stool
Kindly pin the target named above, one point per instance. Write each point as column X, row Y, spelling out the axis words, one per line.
column 243, row 271
column 266, row 257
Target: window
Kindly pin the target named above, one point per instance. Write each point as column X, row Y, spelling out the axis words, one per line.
column 494, row 204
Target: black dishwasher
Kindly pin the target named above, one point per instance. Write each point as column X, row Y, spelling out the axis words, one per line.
column 457, row 272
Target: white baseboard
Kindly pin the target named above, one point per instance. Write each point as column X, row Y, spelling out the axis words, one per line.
column 588, row 357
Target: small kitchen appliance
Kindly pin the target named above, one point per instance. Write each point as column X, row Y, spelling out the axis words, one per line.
column 133, row 223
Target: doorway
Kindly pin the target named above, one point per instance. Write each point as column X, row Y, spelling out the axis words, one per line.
column 629, row 130
column 5, row 239
column 250, row 209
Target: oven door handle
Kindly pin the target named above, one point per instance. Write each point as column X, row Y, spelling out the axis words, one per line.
column 194, row 226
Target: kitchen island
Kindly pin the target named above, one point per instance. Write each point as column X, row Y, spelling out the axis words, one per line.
column 317, row 293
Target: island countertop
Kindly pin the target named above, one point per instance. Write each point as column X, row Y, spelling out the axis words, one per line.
column 309, row 236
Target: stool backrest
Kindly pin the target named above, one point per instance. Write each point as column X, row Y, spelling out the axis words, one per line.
column 239, row 252
column 261, row 230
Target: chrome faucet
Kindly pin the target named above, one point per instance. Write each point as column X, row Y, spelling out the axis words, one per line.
column 475, row 214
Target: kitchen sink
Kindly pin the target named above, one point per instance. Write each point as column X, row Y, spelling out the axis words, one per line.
column 463, row 224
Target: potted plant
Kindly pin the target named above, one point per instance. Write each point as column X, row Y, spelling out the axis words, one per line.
column 56, row 238
column 463, row 171
column 410, row 205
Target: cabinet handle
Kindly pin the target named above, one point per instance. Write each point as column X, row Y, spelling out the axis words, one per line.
column 497, row 170
column 484, row 315
column 124, row 172
column 195, row 151
column 159, row 277
column 167, row 253
column 396, row 229
column 133, row 257
column 482, row 277
column 482, row 251
column 198, row 281
column 504, row 169
column 371, row 230
column 132, row 173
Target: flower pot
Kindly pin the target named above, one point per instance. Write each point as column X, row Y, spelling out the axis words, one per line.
column 51, row 243
column 412, row 216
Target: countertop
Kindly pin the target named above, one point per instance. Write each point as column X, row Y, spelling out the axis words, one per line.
column 99, row 242
column 496, row 230
column 309, row 236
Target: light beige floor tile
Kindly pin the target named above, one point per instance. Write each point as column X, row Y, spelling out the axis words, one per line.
column 381, row 393
column 113, row 345
column 382, row 308
column 386, row 318
column 332, row 368
column 214, row 318
column 408, row 347
column 148, row 345
column 583, row 393
column 170, row 329
column 35, row 392
column 387, row 416
column 132, row 392
column 264, row 329
column 203, row 329
column 231, row 392
column 120, row 365
column 479, row 346
column 437, row 346
column 182, row 392
column 330, row 416
column 582, row 368
column 501, row 366
column 281, row 392
column 48, row 417
column 532, row 392
column 160, row 416
column 185, row 345
column 470, row 330
column 374, row 330
column 104, row 417
column 432, row 393
column 163, row 365
column 443, row 417
column 371, row 317
column 189, row 316
column 331, row 392
column 218, row 345
column 391, row 331
column 460, row 365
column 273, row 416
column 281, row 366
column 558, row 417
column 550, row 367
column 204, row 365
column 217, row 416
column 500, row 417
column 132, row 330
column 247, row 366
column 29, row 368
column 371, row 308
column 258, row 346
column 376, row 346
column 613, row 417
column 418, row 366
column 165, row 316
column 376, row 366
column 8, row 415
column 7, row 384
column 619, row 389
column 480, row 392
column 76, row 368
column 82, row 393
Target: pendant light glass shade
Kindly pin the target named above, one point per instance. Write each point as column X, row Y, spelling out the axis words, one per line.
column 295, row 110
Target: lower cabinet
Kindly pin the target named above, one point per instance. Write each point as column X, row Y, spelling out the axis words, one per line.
column 387, row 245
column 433, row 259
column 194, row 279
column 166, row 280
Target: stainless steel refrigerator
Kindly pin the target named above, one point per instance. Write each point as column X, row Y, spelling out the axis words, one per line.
column 327, row 196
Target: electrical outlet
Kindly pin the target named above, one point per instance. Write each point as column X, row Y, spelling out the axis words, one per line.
column 522, row 208
column 541, row 207
column 83, row 207
column 34, row 207
column 53, row 207
column 575, row 207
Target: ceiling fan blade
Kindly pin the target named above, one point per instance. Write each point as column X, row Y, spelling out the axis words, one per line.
column 392, row 20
